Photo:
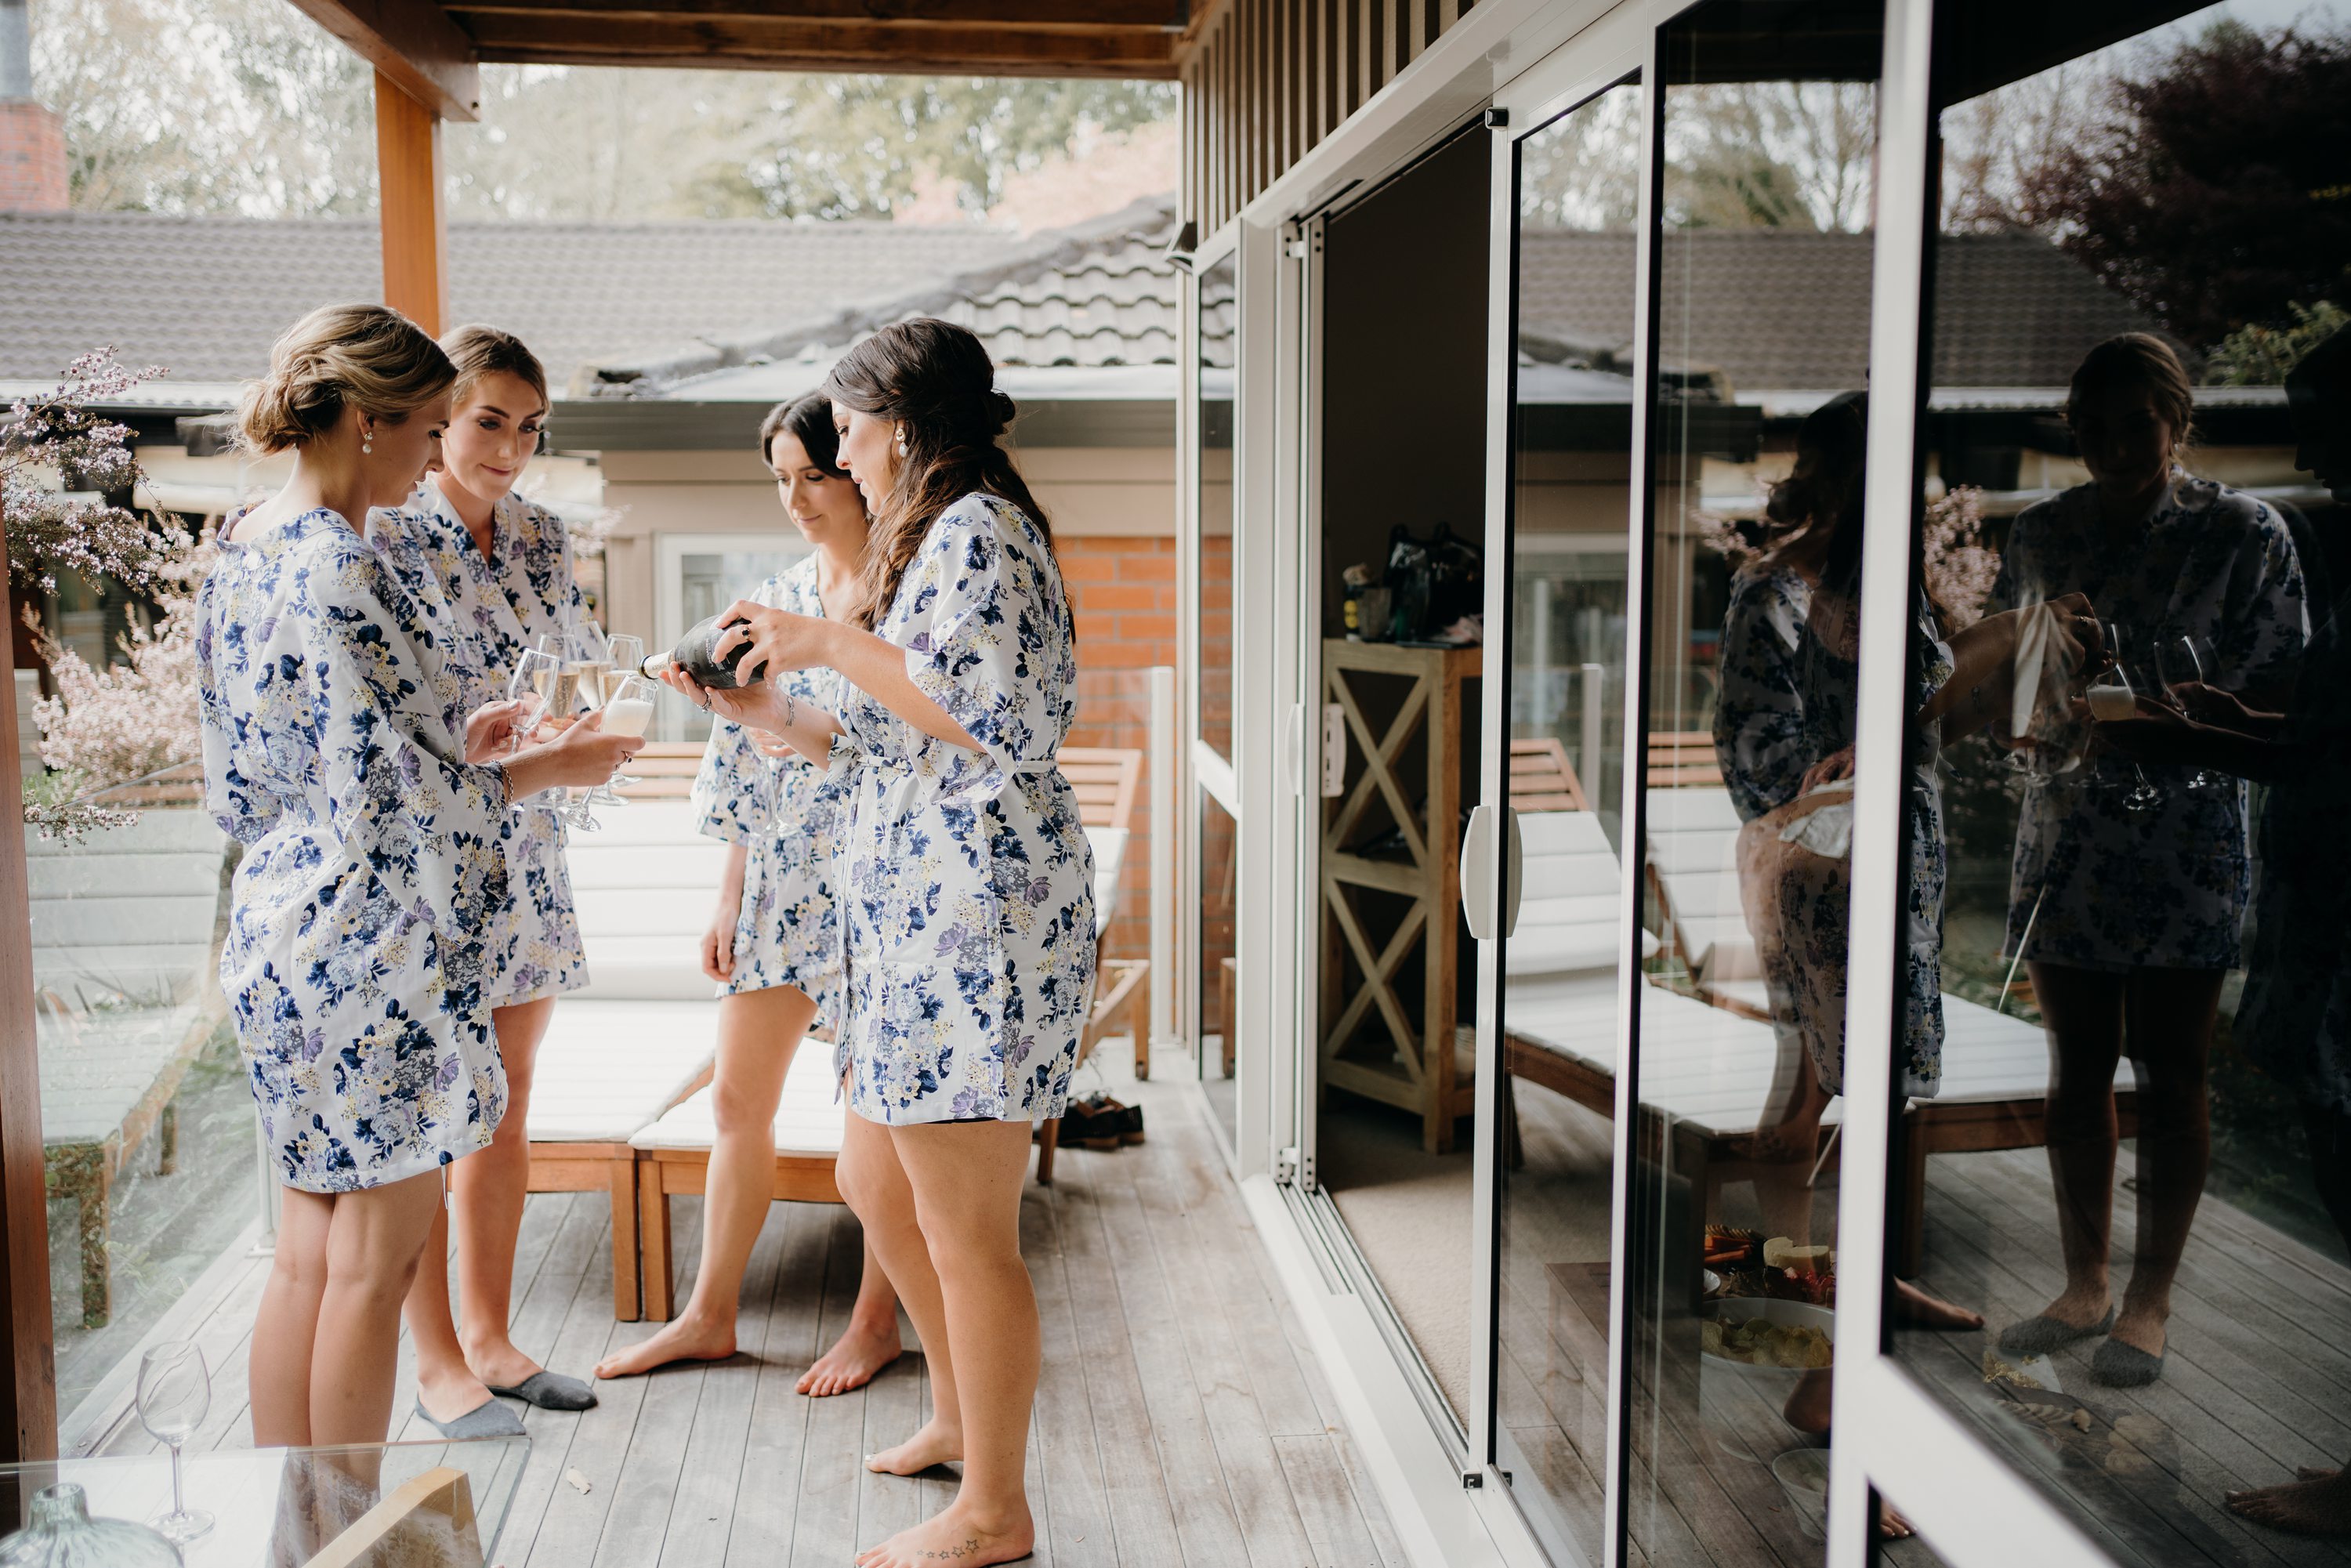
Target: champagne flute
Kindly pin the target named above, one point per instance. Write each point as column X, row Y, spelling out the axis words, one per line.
column 2184, row 660
column 175, row 1391
column 628, row 655
column 535, row 679
column 2114, row 696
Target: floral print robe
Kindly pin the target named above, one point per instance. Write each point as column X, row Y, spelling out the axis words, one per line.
column 2164, row 887
column 1791, row 691
column 504, row 605
column 333, row 744
column 967, row 882
column 786, row 813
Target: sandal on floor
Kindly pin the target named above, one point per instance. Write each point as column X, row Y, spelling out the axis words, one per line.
column 550, row 1391
column 2040, row 1334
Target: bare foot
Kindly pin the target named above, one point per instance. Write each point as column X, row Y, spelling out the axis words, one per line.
column 1807, row 1410
column 684, row 1338
column 1913, row 1305
column 1892, row 1526
column 449, row 1393
column 2320, row 1507
column 958, row 1534
column 933, row 1445
column 851, row 1362
column 2316, row 1472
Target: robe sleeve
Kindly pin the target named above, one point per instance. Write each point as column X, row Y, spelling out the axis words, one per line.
column 996, row 615
column 1759, row 718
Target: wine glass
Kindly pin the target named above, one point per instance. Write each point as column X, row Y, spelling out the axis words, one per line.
column 2049, row 742
column 2182, row 659
column 538, row 678
column 2114, row 696
column 628, row 656
column 175, row 1391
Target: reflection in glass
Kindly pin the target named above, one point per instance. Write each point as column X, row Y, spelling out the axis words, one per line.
column 1218, row 321
column 1572, row 468
column 1219, row 976
column 2137, row 1166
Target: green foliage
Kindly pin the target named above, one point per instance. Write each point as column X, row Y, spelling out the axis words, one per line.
column 2260, row 356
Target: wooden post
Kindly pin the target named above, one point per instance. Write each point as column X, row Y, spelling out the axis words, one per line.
column 408, row 205
column 28, row 1421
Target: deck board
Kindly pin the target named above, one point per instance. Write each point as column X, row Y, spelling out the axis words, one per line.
column 1182, row 1420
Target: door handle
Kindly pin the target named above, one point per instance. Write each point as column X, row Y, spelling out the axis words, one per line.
column 1488, row 917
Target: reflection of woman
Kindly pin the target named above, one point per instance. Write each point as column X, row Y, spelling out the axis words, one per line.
column 2134, row 914
column 774, row 941
column 969, row 915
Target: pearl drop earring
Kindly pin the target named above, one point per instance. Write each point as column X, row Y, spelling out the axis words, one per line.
column 902, row 442
column 367, row 442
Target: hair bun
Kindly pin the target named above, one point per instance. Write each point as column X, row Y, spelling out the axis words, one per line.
column 1000, row 411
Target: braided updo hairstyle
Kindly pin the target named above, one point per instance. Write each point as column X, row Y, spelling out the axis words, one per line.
column 369, row 357
column 934, row 380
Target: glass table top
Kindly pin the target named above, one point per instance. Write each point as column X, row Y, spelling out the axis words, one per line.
column 424, row 1505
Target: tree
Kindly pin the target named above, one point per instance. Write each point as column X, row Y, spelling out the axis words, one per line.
column 2212, row 194
column 1771, row 156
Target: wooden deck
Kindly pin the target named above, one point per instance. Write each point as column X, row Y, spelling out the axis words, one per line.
column 1182, row 1420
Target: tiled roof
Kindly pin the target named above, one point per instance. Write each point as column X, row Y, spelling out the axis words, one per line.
column 1773, row 310
column 1098, row 294
column 206, row 297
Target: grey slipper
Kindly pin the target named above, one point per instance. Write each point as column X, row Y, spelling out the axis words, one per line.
column 487, row 1419
column 2041, row 1334
column 2120, row 1365
column 550, row 1391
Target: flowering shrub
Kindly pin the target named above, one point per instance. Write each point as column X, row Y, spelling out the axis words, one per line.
column 1960, row 571
column 123, row 722
column 59, row 435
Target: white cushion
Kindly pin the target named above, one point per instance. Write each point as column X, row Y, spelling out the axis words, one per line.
column 808, row 1122
column 644, row 882
column 607, row 1069
column 1110, row 856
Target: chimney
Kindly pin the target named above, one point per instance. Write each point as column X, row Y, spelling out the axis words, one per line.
column 32, row 138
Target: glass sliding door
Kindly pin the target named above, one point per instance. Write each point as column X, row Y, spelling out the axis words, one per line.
column 1577, row 207
column 2127, row 530
column 1216, row 808
column 1756, row 424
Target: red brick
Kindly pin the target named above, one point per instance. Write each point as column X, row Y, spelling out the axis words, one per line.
column 1079, row 566
column 1151, row 568
column 1135, row 627
column 1109, row 654
column 1096, row 597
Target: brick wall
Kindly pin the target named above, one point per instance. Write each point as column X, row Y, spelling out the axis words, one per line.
column 32, row 158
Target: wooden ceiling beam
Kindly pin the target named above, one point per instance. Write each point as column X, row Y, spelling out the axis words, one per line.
column 761, row 43
column 1083, row 16
column 414, row 43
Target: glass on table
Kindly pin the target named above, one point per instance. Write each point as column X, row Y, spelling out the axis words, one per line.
column 175, row 1391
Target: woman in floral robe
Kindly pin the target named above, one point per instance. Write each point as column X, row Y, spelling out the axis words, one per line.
column 774, row 943
column 504, row 565
column 336, row 749
column 967, row 883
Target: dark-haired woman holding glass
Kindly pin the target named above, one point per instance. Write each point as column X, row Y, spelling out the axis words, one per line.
column 2125, row 898
column 774, row 942
column 968, row 891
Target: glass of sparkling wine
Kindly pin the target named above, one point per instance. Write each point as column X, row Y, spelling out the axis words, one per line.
column 536, row 681
column 628, row 656
column 2112, row 697
column 175, row 1391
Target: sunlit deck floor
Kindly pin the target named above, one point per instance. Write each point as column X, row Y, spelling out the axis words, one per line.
column 1182, row 1418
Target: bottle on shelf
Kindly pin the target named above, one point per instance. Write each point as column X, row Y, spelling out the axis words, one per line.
column 693, row 654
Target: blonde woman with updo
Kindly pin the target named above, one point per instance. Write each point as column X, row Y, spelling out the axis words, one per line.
column 967, row 903
column 504, row 565
column 339, row 751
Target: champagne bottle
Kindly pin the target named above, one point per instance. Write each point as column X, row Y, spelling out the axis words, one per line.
column 693, row 654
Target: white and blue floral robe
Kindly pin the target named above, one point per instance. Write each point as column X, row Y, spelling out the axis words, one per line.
column 2163, row 887
column 504, row 605
column 333, row 749
column 786, row 814
column 1759, row 716
column 967, row 883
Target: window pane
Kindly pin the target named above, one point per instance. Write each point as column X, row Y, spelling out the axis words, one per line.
column 1218, row 323
column 2142, row 1088
column 1579, row 184
column 1765, row 257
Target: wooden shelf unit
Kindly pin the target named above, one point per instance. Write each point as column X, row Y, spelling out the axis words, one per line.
column 1426, row 1076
